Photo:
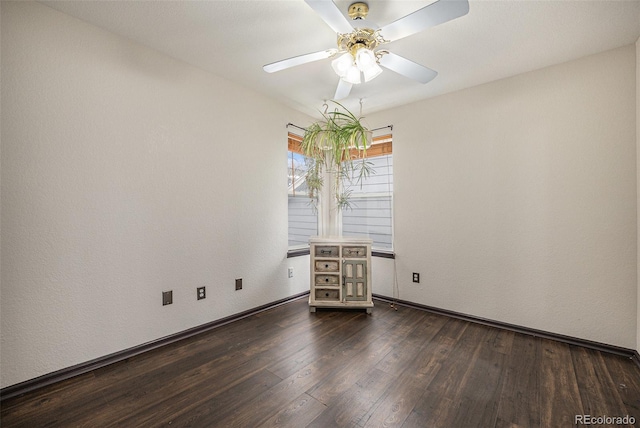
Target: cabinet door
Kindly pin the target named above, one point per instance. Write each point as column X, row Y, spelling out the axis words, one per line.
column 354, row 275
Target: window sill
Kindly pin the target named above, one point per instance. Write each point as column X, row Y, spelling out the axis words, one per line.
column 298, row 252
column 385, row 254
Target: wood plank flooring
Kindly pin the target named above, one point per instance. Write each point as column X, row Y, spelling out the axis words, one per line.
column 291, row 368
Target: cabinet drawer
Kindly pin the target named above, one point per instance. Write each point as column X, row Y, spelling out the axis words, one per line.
column 327, row 266
column 332, row 280
column 354, row 251
column 325, row 294
column 327, row 251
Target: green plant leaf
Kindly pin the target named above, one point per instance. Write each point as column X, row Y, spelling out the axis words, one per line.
column 338, row 133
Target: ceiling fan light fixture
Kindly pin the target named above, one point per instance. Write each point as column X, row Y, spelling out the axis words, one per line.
column 367, row 62
column 342, row 64
column 365, row 59
column 372, row 72
column 352, row 76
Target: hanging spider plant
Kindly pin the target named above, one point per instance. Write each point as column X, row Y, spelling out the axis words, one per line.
column 338, row 143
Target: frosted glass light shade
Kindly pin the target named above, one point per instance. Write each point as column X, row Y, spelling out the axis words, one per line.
column 349, row 68
column 342, row 64
column 353, row 75
column 365, row 59
column 372, row 72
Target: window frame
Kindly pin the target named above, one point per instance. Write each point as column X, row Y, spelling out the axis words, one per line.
column 382, row 145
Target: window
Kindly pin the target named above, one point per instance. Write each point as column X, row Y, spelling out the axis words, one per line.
column 371, row 204
column 303, row 219
column 371, row 211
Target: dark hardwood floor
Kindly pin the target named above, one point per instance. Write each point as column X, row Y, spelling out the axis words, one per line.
column 288, row 367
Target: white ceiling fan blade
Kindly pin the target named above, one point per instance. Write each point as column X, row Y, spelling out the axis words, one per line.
column 408, row 68
column 330, row 14
column 343, row 90
column 429, row 16
column 298, row 60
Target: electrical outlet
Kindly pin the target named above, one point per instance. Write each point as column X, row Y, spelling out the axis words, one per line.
column 239, row 284
column 167, row 297
column 290, row 272
column 416, row 277
column 201, row 293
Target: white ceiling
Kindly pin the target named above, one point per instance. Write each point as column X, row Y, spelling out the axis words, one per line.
column 496, row 39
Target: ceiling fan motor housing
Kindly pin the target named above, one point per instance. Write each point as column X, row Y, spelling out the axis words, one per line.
column 358, row 10
column 360, row 37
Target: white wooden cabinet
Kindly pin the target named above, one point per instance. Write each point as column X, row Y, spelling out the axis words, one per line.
column 340, row 273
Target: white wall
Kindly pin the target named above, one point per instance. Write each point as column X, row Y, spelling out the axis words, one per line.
column 516, row 200
column 126, row 173
column 382, row 277
column 638, row 187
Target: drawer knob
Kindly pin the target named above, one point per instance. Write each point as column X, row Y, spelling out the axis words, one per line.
column 326, row 280
column 326, row 294
column 326, row 266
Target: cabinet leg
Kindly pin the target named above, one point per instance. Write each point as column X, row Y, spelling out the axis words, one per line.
column 312, row 308
column 369, row 310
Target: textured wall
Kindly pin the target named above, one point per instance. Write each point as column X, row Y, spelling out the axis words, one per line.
column 516, row 200
column 126, row 173
column 638, row 186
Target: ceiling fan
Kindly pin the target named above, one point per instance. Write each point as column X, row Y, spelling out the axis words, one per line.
column 358, row 40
